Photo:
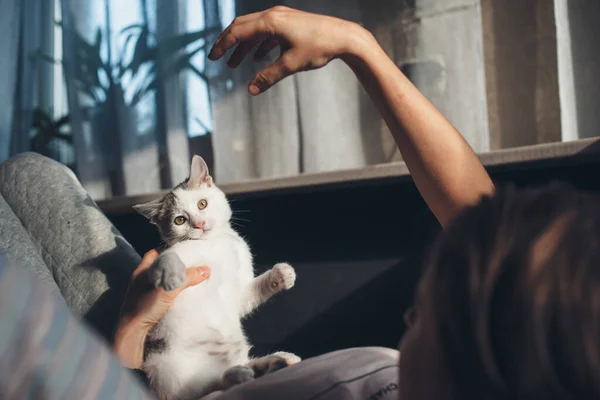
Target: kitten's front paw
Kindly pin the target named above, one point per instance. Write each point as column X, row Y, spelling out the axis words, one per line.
column 167, row 272
column 290, row 358
column 237, row 375
column 283, row 276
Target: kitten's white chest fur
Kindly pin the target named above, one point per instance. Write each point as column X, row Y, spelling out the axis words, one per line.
column 203, row 327
column 218, row 302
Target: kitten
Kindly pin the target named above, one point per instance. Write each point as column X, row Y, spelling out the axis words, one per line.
column 200, row 346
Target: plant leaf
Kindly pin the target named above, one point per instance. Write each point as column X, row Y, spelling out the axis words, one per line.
column 202, row 124
column 199, row 73
column 88, row 64
column 122, row 67
column 132, row 26
column 142, row 53
column 47, row 58
column 87, row 61
column 181, row 63
column 139, row 95
column 64, row 120
column 172, row 45
column 63, row 136
column 98, row 41
column 40, row 119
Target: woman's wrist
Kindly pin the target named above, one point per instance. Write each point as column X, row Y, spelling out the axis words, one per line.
column 130, row 337
column 359, row 46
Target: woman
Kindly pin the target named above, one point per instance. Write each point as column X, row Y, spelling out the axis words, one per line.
column 508, row 306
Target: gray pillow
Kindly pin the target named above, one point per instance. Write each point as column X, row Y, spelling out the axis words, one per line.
column 369, row 373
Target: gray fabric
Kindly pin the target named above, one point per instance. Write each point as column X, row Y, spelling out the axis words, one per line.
column 16, row 242
column 86, row 256
column 360, row 373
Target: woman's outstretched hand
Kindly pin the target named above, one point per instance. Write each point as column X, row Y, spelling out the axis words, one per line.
column 307, row 41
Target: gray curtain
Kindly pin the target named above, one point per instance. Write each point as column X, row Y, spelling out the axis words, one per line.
column 9, row 26
column 26, row 28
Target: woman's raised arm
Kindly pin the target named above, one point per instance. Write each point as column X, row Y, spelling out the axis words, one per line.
column 445, row 169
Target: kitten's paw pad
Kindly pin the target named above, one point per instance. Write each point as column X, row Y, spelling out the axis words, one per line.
column 283, row 276
column 237, row 375
column 168, row 272
column 289, row 358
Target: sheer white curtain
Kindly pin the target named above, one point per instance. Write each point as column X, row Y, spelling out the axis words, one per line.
column 126, row 147
column 577, row 32
column 312, row 122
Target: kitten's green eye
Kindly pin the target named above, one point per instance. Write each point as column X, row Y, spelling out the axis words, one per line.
column 179, row 220
column 202, row 204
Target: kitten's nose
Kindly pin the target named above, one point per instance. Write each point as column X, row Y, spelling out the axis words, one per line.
column 199, row 224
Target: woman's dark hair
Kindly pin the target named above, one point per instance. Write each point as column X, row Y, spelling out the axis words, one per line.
column 515, row 287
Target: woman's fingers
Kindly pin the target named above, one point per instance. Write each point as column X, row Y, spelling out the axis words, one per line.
column 236, row 21
column 284, row 66
column 194, row 276
column 146, row 262
column 265, row 48
column 256, row 29
column 240, row 52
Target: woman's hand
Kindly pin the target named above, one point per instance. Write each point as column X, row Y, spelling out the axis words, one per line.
column 143, row 307
column 307, row 41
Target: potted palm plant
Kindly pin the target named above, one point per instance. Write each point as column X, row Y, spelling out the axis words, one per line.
column 101, row 81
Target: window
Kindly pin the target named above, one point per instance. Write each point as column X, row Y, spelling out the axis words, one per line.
column 141, row 96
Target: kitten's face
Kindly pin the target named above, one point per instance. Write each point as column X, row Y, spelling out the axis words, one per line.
column 193, row 213
column 192, row 210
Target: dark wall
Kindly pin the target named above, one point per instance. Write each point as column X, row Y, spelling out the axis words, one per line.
column 357, row 252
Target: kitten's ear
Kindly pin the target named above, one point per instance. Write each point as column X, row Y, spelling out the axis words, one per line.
column 199, row 174
column 149, row 210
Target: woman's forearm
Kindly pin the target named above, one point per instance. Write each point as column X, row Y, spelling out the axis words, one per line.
column 128, row 343
column 445, row 169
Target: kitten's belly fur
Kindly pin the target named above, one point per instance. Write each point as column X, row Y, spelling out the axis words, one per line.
column 202, row 330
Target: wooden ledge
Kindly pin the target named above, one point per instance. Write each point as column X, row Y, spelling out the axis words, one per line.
column 537, row 156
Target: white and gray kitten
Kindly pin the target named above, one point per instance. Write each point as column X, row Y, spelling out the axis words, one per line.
column 200, row 345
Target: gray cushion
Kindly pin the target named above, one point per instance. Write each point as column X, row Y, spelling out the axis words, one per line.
column 86, row 256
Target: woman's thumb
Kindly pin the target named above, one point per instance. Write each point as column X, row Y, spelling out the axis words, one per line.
column 286, row 65
column 196, row 275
